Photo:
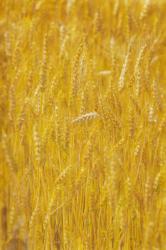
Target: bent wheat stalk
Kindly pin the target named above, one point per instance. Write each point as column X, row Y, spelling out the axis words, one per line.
column 86, row 117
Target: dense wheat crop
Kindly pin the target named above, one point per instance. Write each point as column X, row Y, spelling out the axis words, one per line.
column 82, row 125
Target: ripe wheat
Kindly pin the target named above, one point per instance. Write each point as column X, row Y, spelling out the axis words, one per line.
column 82, row 125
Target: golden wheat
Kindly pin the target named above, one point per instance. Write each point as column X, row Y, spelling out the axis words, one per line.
column 82, row 125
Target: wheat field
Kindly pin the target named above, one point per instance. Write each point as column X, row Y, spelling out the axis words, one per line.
column 82, row 125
